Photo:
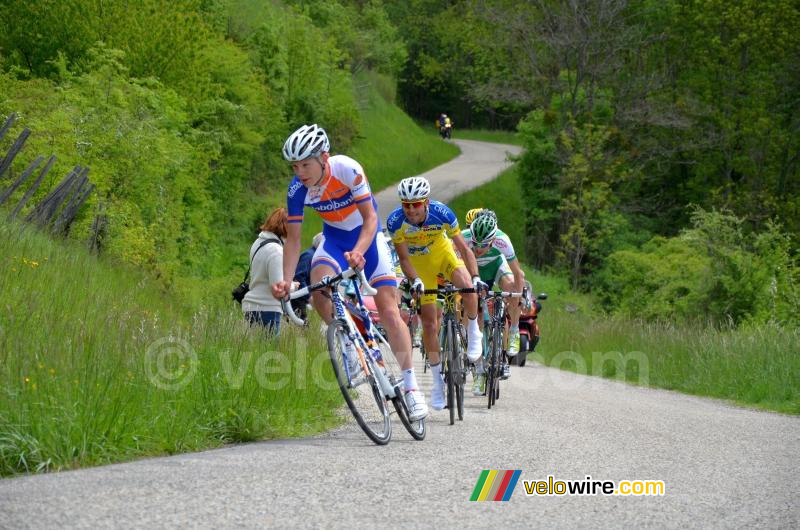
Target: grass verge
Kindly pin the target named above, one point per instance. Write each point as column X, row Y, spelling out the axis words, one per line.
column 99, row 365
column 502, row 195
column 755, row 366
column 484, row 135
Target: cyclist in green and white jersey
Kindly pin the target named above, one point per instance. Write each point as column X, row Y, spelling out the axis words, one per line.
column 497, row 264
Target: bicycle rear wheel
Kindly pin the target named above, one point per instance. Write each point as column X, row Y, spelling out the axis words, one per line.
column 459, row 372
column 361, row 393
column 425, row 363
column 492, row 371
column 447, row 371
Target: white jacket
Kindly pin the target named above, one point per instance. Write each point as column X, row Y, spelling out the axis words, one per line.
column 266, row 269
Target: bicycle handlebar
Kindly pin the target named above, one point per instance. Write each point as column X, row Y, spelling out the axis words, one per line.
column 288, row 310
column 449, row 290
column 327, row 281
column 504, row 294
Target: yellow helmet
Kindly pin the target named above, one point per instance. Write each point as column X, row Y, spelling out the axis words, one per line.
column 471, row 215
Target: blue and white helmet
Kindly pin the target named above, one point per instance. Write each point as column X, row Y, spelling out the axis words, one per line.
column 305, row 142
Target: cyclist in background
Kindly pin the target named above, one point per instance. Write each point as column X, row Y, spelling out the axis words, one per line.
column 470, row 216
column 337, row 188
column 420, row 229
column 497, row 264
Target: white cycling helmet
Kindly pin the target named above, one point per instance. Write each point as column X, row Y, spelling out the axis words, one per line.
column 413, row 189
column 305, row 142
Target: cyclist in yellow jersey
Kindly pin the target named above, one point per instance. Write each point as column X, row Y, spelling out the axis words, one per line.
column 420, row 229
column 471, row 215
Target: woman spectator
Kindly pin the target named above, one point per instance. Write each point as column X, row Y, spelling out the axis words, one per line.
column 266, row 258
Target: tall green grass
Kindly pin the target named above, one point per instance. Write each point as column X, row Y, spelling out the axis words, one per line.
column 755, row 366
column 98, row 364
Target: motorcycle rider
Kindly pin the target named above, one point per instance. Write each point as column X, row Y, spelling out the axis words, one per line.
column 444, row 125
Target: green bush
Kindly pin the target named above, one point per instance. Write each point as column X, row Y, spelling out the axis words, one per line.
column 715, row 270
column 184, row 147
column 663, row 280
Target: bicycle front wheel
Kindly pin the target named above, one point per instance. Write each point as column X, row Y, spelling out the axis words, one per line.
column 361, row 391
column 415, row 428
column 498, row 365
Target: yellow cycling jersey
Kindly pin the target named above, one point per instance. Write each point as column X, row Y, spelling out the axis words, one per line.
column 430, row 236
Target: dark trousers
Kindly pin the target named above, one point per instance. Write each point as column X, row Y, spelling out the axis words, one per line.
column 269, row 320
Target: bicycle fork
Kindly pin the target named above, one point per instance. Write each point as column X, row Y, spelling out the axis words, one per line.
column 371, row 353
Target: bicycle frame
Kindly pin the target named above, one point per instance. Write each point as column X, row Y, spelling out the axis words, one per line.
column 493, row 356
column 452, row 354
column 342, row 309
column 379, row 374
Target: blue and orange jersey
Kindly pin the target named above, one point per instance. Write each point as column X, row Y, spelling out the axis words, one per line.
column 431, row 235
column 336, row 199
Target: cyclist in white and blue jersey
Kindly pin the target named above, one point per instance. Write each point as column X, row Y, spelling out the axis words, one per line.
column 337, row 188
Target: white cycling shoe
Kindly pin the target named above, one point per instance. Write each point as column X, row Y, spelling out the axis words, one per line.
column 417, row 409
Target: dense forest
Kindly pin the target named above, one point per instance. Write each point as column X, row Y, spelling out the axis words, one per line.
column 662, row 138
column 662, row 167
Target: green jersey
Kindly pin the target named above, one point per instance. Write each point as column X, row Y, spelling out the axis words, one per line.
column 493, row 263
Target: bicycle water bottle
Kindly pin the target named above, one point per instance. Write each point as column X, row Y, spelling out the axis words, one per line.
column 376, row 352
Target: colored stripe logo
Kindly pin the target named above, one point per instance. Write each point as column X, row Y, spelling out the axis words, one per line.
column 494, row 485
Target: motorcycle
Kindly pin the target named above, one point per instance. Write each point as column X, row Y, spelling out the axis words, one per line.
column 445, row 131
column 529, row 327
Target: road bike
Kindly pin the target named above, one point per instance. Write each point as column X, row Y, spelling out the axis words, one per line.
column 410, row 311
column 365, row 367
column 452, row 349
column 494, row 342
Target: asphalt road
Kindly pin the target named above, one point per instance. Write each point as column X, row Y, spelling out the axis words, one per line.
column 721, row 465
column 479, row 162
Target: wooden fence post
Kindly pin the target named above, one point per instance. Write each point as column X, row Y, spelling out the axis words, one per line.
column 33, row 188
